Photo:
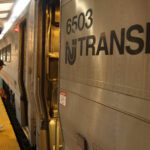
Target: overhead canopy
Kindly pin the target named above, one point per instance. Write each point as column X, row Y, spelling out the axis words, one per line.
column 10, row 10
column 6, row 7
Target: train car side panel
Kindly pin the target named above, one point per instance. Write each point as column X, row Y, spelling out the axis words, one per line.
column 104, row 69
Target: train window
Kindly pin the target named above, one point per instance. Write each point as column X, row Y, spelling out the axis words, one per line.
column 4, row 54
column 8, row 53
column 1, row 54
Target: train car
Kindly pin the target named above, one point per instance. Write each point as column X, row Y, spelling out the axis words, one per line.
column 104, row 74
column 90, row 56
column 30, row 50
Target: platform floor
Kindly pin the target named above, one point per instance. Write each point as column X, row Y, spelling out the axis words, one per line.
column 8, row 139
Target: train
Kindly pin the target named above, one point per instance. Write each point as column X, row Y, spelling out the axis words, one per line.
column 30, row 50
column 79, row 73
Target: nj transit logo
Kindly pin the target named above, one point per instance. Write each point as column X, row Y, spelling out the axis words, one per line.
column 70, row 56
column 122, row 42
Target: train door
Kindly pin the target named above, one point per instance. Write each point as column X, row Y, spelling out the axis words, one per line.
column 52, row 58
column 47, row 72
column 24, row 102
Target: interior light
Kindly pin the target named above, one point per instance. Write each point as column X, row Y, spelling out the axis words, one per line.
column 3, row 15
column 5, row 6
column 52, row 122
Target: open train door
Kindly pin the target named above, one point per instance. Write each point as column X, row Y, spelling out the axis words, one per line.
column 48, row 33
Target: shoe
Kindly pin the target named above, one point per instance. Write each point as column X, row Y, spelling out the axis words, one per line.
column 1, row 127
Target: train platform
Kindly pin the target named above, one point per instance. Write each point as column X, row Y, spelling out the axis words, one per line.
column 8, row 139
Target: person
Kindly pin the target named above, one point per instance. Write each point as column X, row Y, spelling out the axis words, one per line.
column 2, row 93
column 1, row 64
column 1, row 87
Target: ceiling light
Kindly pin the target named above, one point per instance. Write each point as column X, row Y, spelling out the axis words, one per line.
column 5, row 6
column 3, row 15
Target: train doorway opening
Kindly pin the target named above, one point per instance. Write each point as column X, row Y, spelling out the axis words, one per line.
column 52, row 48
column 22, row 73
column 48, row 68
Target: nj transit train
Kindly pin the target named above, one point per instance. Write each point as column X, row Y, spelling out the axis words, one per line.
column 85, row 63
column 31, row 54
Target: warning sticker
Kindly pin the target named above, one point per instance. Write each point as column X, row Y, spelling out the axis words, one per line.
column 63, row 98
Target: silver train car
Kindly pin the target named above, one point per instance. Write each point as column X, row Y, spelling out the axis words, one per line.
column 30, row 50
column 79, row 73
column 104, row 74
